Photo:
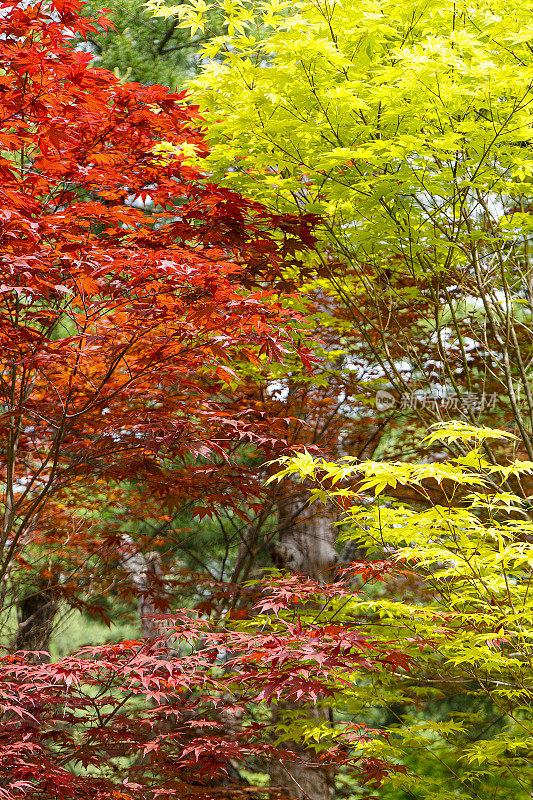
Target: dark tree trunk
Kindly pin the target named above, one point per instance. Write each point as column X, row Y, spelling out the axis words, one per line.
column 305, row 545
column 36, row 612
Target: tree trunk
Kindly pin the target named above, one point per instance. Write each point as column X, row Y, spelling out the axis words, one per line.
column 306, row 539
column 306, row 545
column 303, row 779
column 145, row 573
column 36, row 612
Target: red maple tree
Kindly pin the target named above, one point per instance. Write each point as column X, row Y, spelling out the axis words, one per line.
column 167, row 717
column 128, row 284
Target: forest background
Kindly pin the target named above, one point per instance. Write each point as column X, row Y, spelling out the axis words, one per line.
column 219, row 305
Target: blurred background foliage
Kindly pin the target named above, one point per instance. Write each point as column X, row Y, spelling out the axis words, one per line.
column 143, row 48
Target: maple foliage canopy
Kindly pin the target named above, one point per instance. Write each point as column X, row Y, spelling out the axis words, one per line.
column 127, row 285
column 129, row 288
column 164, row 718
